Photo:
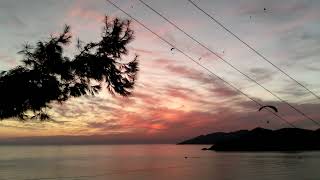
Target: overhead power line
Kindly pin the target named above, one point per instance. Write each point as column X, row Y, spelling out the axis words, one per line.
column 253, row 49
column 228, row 63
column 211, row 73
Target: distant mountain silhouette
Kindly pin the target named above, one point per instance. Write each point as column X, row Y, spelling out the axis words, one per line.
column 259, row 139
column 214, row 138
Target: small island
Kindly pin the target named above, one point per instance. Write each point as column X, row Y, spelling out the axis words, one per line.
column 260, row 139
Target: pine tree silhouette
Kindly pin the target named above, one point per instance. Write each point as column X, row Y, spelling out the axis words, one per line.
column 47, row 75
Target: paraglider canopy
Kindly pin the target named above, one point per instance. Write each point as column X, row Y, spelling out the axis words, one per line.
column 268, row 106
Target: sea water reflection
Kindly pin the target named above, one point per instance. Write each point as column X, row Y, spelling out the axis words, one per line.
column 157, row 162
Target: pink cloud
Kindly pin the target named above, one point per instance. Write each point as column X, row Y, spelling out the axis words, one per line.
column 189, row 73
column 222, row 91
column 147, row 98
column 145, row 52
column 183, row 93
column 86, row 14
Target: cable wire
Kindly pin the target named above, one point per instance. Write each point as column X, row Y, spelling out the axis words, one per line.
column 211, row 73
column 253, row 49
column 228, row 63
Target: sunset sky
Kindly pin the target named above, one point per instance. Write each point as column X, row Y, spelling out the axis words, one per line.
column 174, row 98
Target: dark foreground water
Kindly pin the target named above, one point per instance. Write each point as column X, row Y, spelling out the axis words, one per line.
column 156, row 162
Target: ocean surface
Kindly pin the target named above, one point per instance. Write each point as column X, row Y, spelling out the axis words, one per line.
column 155, row 162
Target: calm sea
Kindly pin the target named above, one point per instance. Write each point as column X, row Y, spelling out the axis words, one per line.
column 155, row 162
